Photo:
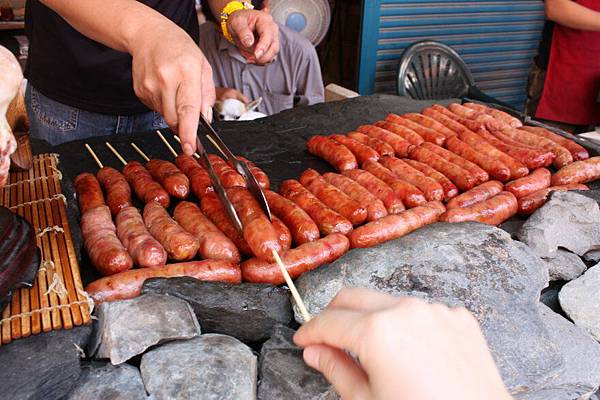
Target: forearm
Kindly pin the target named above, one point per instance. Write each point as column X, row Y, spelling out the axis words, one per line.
column 572, row 15
column 115, row 23
column 216, row 7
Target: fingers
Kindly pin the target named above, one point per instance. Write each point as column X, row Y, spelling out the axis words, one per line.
column 268, row 41
column 336, row 328
column 189, row 105
column 240, row 29
column 361, row 299
column 349, row 380
column 208, row 92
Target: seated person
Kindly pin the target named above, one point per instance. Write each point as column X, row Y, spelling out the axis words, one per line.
column 293, row 78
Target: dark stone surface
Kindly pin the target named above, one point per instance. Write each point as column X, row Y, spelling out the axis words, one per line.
column 44, row 366
column 549, row 296
column 104, row 381
column 469, row 264
column 284, row 375
column 248, row 312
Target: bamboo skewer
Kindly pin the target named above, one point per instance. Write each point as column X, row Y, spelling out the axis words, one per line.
column 94, row 156
column 215, row 144
column 179, row 140
column 290, row 283
column 116, row 153
column 140, row 152
column 167, row 144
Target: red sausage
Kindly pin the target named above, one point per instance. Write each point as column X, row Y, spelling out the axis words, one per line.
column 495, row 168
column 492, row 211
column 378, row 188
column 297, row 261
column 89, row 193
column 375, row 207
column 179, row 244
column 213, row 243
column 105, row 250
column 333, row 197
column 432, row 190
column 128, row 284
column 361, row 152
column 532, row 158
column 578, row 172
column 228, row 176
column 410, row 195
column 401, row 146
column 500, row 115
column 284, row 235
column 577, row 152
column 170, row 177
column 461, row 178
column 426, row 133
column 528, row 204
column 540, row 143
column 430, row 123
column 258, row 230
column 200, row 182
column 450, row 189
column 537, row 180
column 476, row 195
column 142, row 247
column 118, row 193
column 402, row 131
column 259, row 174
column 144, row 186
column 395, row 226
column 336, row 154
column 381, row 147
column 302, row 227
column 326, row 219
column 478, row 173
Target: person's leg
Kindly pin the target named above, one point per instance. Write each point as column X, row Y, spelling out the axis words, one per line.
column 149, row 121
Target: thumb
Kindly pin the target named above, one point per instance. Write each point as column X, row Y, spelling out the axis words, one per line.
column 239, row 28
column 348, row 378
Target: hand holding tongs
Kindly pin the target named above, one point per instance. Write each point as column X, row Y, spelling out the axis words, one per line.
column 240, row 166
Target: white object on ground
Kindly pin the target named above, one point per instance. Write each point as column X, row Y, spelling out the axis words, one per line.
column 235, row 110
column 10, row 81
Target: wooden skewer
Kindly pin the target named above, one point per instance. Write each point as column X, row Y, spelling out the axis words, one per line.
column 141, row 153
column 94, row 156
column 290, row 283
column 116, row 153
column 179, row 140
column 215, row 144
column 167, row 144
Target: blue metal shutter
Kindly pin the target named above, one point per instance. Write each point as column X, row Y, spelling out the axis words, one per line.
column 497, row 40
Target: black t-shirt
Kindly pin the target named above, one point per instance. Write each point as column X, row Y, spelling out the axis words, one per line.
column 72, row 69
column 543, row 57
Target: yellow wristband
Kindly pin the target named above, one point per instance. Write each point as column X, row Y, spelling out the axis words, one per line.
column 229, row 9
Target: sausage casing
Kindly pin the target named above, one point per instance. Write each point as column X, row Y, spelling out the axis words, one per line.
column 492, row 211
column 89, row 193
column 118, row 192
column 472, row 168
column 375, row 207
column 142, row 247
column 170, row 177
column 476, row 195
column 427, row 134
column 144, row 186
column 200, row 182
column 378, row 188
column 537, row 180
column 578, row 172
column 430, row 123
column 336, row 154
column 179, row 244
column 461, row 178
column 577, row 152
column 361, row 152
column 261, row 177
column 450, row 189
column 400, row 145
column 495, row 168
column 302, row 227
column 432, row 190
column 381, row 147
column 402, row 131
column 229, row 177
column 528, row 204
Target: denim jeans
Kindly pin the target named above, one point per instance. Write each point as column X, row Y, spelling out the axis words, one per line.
column 57, row 123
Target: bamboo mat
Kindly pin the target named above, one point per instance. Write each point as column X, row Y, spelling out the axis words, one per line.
column 57, row 299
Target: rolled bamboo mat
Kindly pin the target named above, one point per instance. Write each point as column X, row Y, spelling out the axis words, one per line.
column 57, row 299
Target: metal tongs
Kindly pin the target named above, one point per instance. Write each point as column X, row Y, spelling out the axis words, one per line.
column 240, row 166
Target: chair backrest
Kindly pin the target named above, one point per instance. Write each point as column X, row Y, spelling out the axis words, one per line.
column 430, row 70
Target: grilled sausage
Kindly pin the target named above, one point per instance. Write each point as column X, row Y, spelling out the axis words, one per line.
column 144, row 186
column 284, row 235
column 179, row 244
column 492, row 211
column 541, row 143
column 577, row 152
column 170, row 177
column 213, row 243
column 228, row 176
column 578, row 172
column 410, row 195
column 336, row 154
column 476, row 195
column 402, row 131
column 326, row 219
column 528, row 204
column 381, row 147
column 495, row 168
column 532, row 158
column 333, row 197
column 375, row 207
column 499, row 115
column 261, row 177
column 427, row 134
column 472, row 168
column 401, row 146
column 450, row 189
column 118, row 193
column 89, row 193
column 537, row 180
column 142, row 247
column 297, row 261
column 302, row 227
column 395, row 226
column 378, row 188
column 430, row 123
column 105, row 250
column 461, row 178
column 128, row 284
column 432, row 190
column 361, row 152
column 200, row 182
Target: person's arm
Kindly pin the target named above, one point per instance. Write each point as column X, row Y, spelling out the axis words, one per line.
column 170, row 73
column 572, row 15
column 408, row 349
column 243, row 24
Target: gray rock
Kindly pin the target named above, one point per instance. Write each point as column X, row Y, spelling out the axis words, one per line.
column 592, row 256
column 468, row 264
column 580, row 299
column 209, row 367
column 104, row 381
column 127, row 328
column 565, row 266
column 581, row 375
column 567, row 220
column 549, row 296
column 248, row 311
column 44, row 366
column 284, row 374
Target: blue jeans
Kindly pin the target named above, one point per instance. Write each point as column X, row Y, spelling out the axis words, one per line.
column 57, row 123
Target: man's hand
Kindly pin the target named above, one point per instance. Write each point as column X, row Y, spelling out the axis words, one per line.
column 172, row 77
column 245, row 26
column 230, row 93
